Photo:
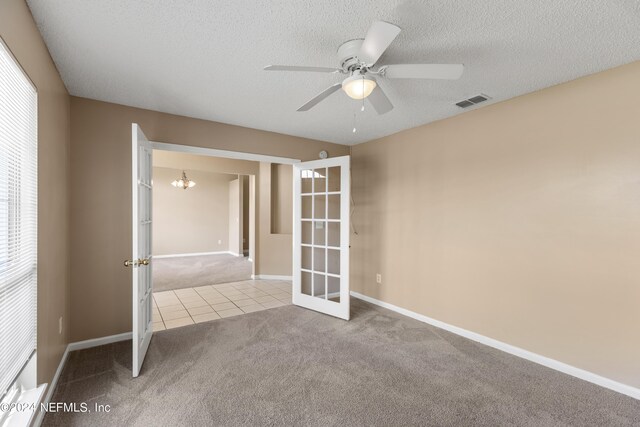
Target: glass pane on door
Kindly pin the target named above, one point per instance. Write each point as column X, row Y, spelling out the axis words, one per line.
column 306, row 258
column 306, row 181
column 333, row 261
column 319, row 207
column 307, row 206
column 333, row 208
column 319, row 232
column 306, row 283
column 320, row 180
column 319, row 260
column 306, row 232
column 333, row 288
column 333, row 234
column 334, row 179
column 319, row 284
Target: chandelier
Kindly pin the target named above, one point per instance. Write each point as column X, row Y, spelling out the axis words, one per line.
column 183, row 182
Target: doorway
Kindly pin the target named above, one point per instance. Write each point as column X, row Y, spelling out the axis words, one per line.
column 204, row 241
column 274, row 252
column 201, row 228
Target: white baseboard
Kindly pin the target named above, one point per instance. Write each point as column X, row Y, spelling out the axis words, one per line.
column 271, row 277
column 80, row 345
column 508, row 348
column 193, row 254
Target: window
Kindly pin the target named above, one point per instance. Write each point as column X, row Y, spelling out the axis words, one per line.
column 18, row 219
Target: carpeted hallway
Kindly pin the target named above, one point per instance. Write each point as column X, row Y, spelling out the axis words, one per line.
column 291, row 366
column 193, row 271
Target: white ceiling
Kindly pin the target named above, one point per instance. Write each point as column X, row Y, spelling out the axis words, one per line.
column 204, row 58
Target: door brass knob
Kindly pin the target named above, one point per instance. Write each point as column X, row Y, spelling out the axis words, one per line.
column 136, row 263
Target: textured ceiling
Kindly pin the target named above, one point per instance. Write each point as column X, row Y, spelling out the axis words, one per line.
column 204, row 58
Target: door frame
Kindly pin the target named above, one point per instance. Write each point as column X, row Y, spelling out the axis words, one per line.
column 214, row 152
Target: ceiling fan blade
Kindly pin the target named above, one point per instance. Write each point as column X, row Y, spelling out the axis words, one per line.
column 295, row 68
column 321, row 96
column 380, row 101
column 378, row 39
column 424, row 71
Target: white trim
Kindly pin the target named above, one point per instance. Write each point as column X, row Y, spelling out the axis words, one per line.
column 508, row 348
column 213, row 152
column 271, row 277
column 193, row 254
column 31, row 399
column 74, row 346
column 96, row 342
column 24, row 390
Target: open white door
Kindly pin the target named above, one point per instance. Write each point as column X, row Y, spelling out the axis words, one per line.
column 141, row 154
column 321, row 236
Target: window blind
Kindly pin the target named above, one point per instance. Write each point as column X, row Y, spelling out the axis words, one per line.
column 18, row 218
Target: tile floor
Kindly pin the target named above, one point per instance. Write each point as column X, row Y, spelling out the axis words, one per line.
column 181, row 307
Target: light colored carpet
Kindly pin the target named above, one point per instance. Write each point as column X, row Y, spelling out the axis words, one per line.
column 194, row 271
column 291, row 366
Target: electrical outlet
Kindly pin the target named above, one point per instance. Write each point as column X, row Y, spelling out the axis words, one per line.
column 379, row 278
column 219, row 242
column 60, row 325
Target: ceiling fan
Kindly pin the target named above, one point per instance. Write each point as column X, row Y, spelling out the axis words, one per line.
column 358, row 59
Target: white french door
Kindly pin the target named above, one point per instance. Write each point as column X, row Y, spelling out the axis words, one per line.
column 141, row 262
column 321, row 235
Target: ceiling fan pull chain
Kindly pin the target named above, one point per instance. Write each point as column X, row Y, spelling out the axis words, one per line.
column 362, row 109
column 354, row 123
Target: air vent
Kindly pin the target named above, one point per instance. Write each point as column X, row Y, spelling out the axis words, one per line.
column 472, row 101
column 464, row 104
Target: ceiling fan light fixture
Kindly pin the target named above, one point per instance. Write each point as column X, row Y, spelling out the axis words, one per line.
column 358, row 86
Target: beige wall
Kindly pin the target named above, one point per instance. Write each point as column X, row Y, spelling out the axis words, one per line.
column 519, row 221
column 169, row 159
column 235, row 216
column 20, row 34
column 253, row 223
column 101, row 202
column 274, row 250
column 192, row 220
column 281, row 199
column 245, row 212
